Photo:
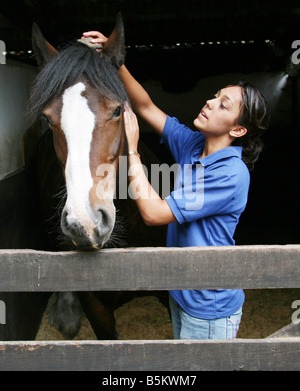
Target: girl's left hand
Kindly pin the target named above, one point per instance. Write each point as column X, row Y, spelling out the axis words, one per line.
column 131, row 128
column 97, row 37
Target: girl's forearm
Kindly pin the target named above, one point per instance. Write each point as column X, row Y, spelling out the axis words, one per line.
column 146, row 198
column 139, row 97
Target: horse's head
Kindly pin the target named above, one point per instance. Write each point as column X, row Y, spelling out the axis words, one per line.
column 80, row 95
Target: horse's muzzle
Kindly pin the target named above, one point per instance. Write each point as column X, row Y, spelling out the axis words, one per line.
column 91, row 236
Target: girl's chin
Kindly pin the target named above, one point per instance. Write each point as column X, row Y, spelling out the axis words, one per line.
column 198, row 125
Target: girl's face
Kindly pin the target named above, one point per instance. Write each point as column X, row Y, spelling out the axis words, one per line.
column 220, row 114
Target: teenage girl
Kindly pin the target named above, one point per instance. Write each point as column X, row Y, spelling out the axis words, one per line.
column 205, row 206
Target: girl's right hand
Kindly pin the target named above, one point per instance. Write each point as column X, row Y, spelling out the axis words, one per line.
column 131, row 128
column 97, row 37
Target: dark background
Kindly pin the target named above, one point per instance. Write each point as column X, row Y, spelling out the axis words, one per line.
column 179, row 49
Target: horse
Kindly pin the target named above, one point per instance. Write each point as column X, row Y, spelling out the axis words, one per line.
column 79, row 94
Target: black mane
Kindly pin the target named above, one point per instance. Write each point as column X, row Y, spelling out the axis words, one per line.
column 65, row 69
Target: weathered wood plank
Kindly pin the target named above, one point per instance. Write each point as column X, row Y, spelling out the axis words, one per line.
column 180, row 355
column 247, row 267
column 291, row 330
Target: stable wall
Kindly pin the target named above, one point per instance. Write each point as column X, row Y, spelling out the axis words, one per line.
column 275, row 86
column 15, row 81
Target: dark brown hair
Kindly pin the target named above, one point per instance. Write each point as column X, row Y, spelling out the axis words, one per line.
column 255, row 118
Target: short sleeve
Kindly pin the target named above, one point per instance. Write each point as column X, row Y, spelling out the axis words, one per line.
column 179, row 138
column 205, row 194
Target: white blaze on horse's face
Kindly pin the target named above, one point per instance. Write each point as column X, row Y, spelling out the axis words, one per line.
column 95, row 219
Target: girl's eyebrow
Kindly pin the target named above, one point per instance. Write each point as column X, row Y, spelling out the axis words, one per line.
column 225, row 96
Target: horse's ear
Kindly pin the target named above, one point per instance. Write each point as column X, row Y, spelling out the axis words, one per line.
column 114, row 47
column 42, row 49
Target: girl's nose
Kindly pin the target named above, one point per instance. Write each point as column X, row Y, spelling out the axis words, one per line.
column 209, row 103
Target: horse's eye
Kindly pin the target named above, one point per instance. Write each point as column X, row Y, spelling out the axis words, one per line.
column 49, row 122
column 117, row 112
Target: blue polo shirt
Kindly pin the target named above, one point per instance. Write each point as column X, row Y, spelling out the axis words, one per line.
column 208, row 198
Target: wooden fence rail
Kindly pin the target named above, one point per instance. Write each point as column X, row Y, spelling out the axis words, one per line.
column 166, row 355
column 248, row 267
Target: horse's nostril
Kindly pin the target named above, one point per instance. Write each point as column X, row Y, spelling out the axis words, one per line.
column 75, row 231
column 104, row 217
column 105, row 222
column 73, row 228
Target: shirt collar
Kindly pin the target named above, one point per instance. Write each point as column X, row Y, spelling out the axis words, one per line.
column 218, row 155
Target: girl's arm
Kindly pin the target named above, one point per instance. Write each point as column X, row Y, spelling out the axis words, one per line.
column 153, row 209
column 142, row 103
column 139, row 98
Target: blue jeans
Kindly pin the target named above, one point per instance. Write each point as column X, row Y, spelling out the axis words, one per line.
column 186, row 326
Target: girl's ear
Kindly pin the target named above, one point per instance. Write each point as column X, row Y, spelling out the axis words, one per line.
column 238, row 131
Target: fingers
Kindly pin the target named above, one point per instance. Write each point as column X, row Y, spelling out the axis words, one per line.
column 131, row 127
column 130, row 115
column 130, row 120
column 127, row 108
column 93, row 33
column 96, row 35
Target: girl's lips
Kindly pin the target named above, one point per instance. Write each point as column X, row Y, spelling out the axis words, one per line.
column 203, row 115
